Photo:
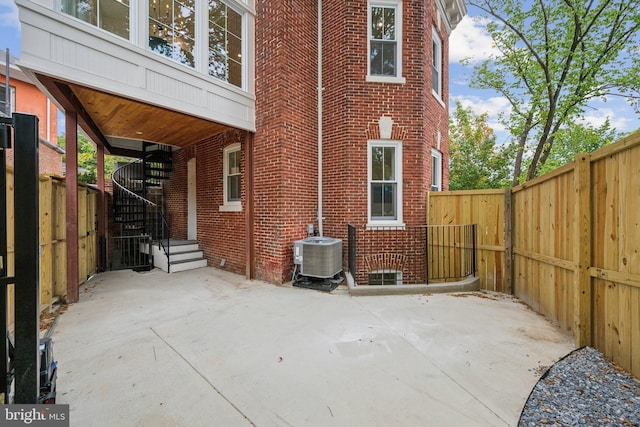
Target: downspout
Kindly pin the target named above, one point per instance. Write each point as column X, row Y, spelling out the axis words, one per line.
column 7, row 91
column 49, row 121
column 320, row 89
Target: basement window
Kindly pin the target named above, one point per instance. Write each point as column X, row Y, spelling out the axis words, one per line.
column 385, row 278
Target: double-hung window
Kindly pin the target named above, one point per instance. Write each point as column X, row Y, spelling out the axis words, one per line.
column 385, row 182
column 232, row 179
column 385, row 41
column 436, row 170
column 110, row 15
column 436, row 64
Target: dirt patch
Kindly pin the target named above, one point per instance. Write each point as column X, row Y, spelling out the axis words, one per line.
column 46, row 319
column 474, row 294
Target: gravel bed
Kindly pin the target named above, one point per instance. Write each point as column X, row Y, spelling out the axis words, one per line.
column 583, row 389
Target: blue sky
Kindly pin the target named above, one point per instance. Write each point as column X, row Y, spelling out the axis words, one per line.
column 469, row 39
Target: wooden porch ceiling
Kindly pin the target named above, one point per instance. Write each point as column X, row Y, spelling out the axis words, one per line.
column 117, row 116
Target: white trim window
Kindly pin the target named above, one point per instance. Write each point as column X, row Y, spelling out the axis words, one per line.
column 172, row 29
column 385, row 183
column 110, row 15
column 232, row 184
column 384, row 47
column 436, row 170
column 225, row 43
column 436, row 64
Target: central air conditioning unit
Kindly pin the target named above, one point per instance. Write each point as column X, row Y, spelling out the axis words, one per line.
column 319, row 257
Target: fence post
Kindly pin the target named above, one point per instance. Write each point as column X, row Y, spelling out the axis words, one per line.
column 508, row 241
column 582, row 282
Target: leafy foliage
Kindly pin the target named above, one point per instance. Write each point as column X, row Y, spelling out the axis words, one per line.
column 87, row 160
column 476, row 161
column 556, row 56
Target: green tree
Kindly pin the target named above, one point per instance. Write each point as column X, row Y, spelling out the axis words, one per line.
column 577, row 139
column 87, row 160
column 475, row 160
column 554, row 57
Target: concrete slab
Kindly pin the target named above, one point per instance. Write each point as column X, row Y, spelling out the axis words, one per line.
column 205, row 347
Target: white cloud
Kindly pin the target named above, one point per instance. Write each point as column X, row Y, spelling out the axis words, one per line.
column 9, row 14
column 493, row 106
column 596, row 118
column 471, row 40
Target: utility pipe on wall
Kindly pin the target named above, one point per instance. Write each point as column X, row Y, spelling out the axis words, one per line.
column 320, row 89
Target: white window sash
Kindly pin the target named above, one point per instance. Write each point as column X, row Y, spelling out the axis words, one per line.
column 398, row 222
column 398, row 78
column 235, row 205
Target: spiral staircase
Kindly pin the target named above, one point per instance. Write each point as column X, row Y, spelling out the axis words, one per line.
column 137, row 206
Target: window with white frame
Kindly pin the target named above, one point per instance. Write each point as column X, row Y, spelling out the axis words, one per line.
column 385, row 182
column 172, row 29
column 436, row 64
column 385, row 278
column 225, row 43
column 385, row 41
column 110, row 15
column 3, row 99
column 436, row 170
column 232, row 179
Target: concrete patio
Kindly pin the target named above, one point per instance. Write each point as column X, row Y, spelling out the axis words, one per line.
column 209, row 348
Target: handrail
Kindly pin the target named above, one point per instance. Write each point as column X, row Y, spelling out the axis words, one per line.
column 116, row 175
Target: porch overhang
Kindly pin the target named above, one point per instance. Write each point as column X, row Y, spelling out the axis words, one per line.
column 123, row 93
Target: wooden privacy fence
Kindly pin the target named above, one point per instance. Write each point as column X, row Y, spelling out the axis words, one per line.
column 566, row 243
column 53, row 226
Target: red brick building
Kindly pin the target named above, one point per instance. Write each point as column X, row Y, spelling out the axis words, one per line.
column 259, row 152
column 27, row 98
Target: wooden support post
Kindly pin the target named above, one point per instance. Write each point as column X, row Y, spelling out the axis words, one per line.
column 71, row 131
column 249, row 209
column 508, row 241
column 582, row 282
column 100, row 218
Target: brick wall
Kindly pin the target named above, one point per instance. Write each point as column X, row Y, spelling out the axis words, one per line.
column 286, row 137
column 30, row 100
column 50, row 161
column 220, row 234
column 285, row 144
column 354, row 106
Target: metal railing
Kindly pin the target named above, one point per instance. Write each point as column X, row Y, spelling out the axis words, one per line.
column 130, row 252
column 411, row 255
column 129, row 184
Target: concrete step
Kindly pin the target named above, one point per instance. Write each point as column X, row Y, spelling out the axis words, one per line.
column 187, row 264
column 183, row 255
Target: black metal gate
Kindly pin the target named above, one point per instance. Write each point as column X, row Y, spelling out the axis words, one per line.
column 25, row 363
column 130, row 252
